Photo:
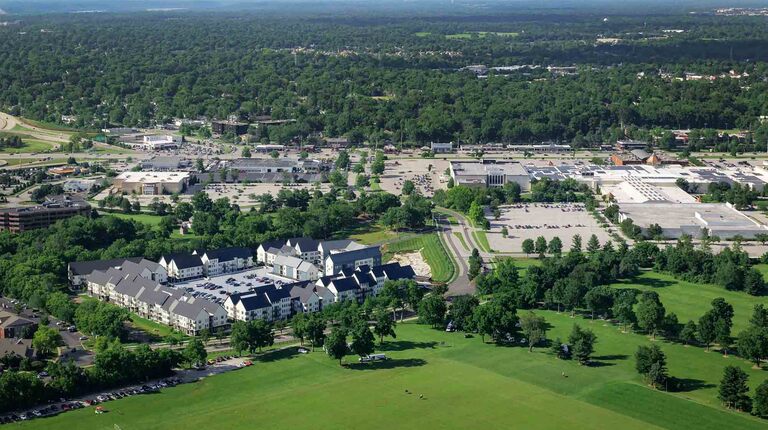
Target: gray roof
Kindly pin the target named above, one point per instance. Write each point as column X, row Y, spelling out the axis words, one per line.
column 87, row 267
column 356, row 254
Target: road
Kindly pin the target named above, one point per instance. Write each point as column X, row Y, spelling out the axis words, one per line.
column 461, row 284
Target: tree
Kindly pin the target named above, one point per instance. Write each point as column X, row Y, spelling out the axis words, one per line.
column 384, row 324
column 534, row 328
column 761, row 400
column 363, row 342
column 733, row 391
column 462, row 308
column 528, row 246
column 299, row 324
column 194, row 353
column 593, row 245
column 689, row 332
column 576, row 243
column 219, row 334
column 496, row 318
column 651, row 362
column 599, row 300
column 623, row 307
column 205, row 336
column 239, row 338
column 408, row 187
column 560, row 351
column 336, row 344
column 316, row 330
column 246, row 153
column 362, row 181
column 650, row 312
column 475, row 264
column 752, row 344
column 261, row 334
column 582, row 342
column 540, row 246
column 45, row 340
column 432, row 310
column 555, row 246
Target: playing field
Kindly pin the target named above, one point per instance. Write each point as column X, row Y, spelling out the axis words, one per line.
column 465, row 384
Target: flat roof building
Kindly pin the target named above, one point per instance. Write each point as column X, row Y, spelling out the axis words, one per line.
column 235, row 127
column 489, row 173
column 152, row 183
column 55, row 208
column 718, row 219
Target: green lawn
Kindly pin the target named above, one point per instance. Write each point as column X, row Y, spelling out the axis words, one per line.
column 431, row 249
column 465, row 384
column 689, row 301
column 480, row 34
column 149, row 219
column 30, row 144
column 370, row 234
column 155, row 329
column 524, row 263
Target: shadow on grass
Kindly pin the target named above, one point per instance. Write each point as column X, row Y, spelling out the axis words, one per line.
column 684, row 385
column 402, row 345
column 280, row 354
column 652, row 282
column 388, row 364
column 611, row 357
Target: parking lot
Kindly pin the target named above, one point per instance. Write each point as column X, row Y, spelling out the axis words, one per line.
column 426, row 179
column 218, row 288
column 529, row 221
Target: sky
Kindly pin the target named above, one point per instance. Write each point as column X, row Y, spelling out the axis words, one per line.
column 614, row 6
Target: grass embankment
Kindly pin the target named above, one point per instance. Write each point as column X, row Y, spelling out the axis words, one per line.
column 30, row 144
column 464, row 382
column 432, row 251
column 482, row 240
column 690, row 301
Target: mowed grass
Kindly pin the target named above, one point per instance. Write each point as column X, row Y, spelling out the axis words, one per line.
column 480, row 34
column 30, row 144
column 149, row 219
column 482, row 240
column 690, row 301
column 431, row 249
column 465, row 384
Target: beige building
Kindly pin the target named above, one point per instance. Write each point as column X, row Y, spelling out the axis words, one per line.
column 152, row 183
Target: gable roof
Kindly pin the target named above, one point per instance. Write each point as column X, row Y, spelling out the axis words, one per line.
column 184, row 261
column 355, row 254
column 288, row 260
column 87, row 267
column 345, row 284
column 303, row 244
column 20, row 347
column 271, row 244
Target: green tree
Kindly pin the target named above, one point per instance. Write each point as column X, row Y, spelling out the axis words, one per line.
column 582, row 342
column 576, row 243
column 384, row 324
column 408, row 187
column 336, row 344
column 752, row 344
column 195, row 353
column 528, row 247
column 593, row 245
column 761, row 400
column 540, row 246
column 650, row 312
column 555, row 246
column 316, row 330
column 45, row 340
column 363, row 342
column 733, row 391
column 534, row 328
column 432, row 310
column 246, row 152
column 688, row 335
column 475, row 264
column 651, row 362
column 599, row 300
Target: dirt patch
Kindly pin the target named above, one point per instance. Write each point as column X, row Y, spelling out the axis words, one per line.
column 416, row 261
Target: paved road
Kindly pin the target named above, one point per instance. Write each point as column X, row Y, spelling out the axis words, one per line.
column 461, row 284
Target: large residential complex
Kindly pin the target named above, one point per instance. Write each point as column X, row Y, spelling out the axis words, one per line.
column 24, row 218
column 206, row 263
column 305, row 259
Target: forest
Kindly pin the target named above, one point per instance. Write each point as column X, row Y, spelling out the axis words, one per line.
column 394, row 79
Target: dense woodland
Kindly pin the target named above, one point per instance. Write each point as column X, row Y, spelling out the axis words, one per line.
column 392, row 79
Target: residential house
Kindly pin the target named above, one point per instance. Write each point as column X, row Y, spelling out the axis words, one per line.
column 226, row 260
column 13, row 326
column 261, row 251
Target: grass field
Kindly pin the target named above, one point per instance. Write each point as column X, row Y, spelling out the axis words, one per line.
column 524, row 263
column 30, row 144
column 465, row 384
column 480, row 34
column 149, row 219
column 689, row 301
column 369, row 234
column 431, row 249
